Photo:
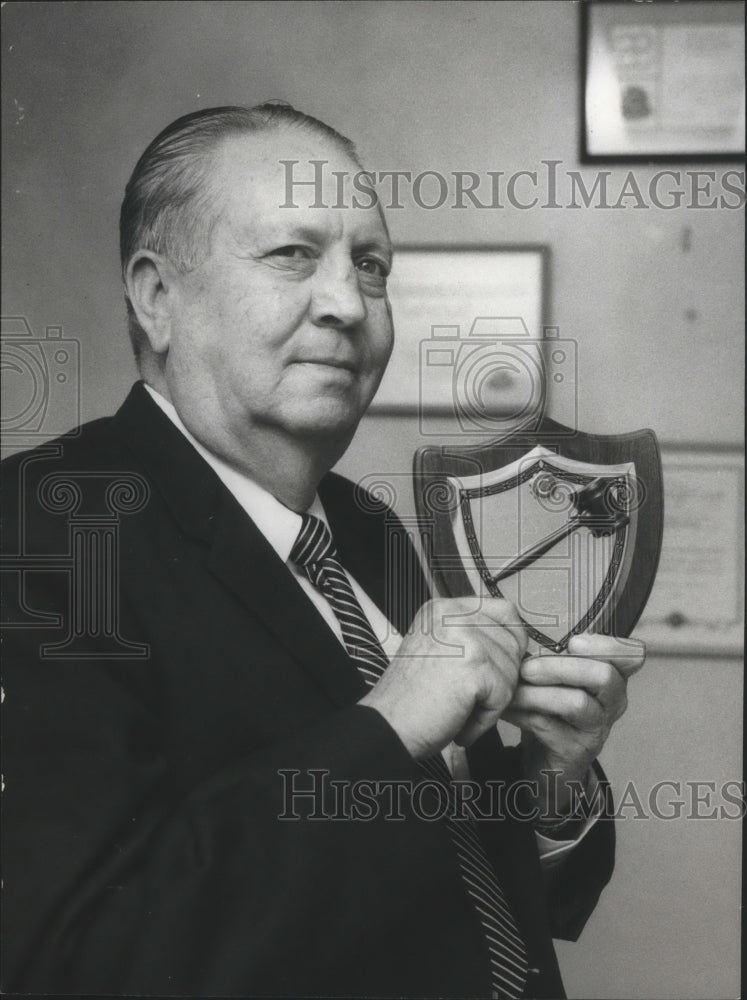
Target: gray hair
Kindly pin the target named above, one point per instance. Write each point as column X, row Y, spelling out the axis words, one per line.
column 167, row 202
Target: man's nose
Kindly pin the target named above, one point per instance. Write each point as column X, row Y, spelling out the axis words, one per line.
column 336, row 298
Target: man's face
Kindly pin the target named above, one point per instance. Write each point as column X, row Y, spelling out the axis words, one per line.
column 286, row 324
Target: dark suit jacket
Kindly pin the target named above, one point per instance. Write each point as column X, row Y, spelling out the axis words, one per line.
column 143, row 851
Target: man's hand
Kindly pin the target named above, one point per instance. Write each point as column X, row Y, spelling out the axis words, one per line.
column 453, row 675
column 566, row 705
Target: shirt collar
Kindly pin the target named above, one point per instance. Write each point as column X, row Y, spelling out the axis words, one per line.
column 278, row 523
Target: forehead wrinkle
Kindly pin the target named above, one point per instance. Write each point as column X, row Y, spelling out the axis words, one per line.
column 273, row 229
column 258, row 158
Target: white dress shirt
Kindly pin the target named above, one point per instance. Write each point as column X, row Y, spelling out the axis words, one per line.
column 281, row 526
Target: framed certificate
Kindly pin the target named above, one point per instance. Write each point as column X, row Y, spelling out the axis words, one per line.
column 468, row 331
column 696, row 606
column 663, row 80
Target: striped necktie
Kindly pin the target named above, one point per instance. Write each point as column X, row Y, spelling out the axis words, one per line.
column 314, row 552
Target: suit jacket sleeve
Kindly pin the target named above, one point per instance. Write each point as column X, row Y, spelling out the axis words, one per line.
column 121, row 877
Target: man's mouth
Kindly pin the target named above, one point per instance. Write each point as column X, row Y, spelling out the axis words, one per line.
column 340, row 363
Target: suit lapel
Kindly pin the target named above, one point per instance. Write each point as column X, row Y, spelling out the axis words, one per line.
column 237, row 552
column 247, row 564
column 183, row 479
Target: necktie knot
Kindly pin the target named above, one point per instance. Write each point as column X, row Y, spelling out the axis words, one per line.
column 314, row 542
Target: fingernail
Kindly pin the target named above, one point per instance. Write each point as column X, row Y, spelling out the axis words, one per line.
column 528, row 667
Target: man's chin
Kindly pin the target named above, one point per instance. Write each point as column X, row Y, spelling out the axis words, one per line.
column 335, row 418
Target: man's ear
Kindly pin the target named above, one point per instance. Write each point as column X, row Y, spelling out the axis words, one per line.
column 150, row 280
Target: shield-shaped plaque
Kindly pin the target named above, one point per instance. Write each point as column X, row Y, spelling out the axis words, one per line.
column 566, row 525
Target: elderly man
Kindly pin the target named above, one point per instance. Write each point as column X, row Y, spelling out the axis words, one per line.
column 151, row 846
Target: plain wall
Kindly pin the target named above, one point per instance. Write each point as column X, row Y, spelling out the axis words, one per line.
column 653, row 298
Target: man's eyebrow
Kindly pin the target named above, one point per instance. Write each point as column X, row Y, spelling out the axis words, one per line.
column 381, row 245
column 279, row 231
column 300, row 231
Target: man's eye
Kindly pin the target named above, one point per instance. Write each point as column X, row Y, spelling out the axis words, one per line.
column 373, row 267
column 292, row 251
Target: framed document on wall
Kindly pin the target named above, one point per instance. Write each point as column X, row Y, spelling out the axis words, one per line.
column 696, row 606
column 663, row 80
column 468, row 331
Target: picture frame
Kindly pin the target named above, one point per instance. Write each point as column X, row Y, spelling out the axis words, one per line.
column 696, row 607
column 446, row 297
column 662, row 81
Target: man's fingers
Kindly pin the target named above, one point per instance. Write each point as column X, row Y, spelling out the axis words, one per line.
column 505, row 614
column 496, row 617
column 453, row 675
column 576, row 706
column 598, row 677
column 626, row 655
column 480, row 722
column 548, row 729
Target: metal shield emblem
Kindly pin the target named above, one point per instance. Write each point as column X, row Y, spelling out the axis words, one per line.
column 567, row 526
